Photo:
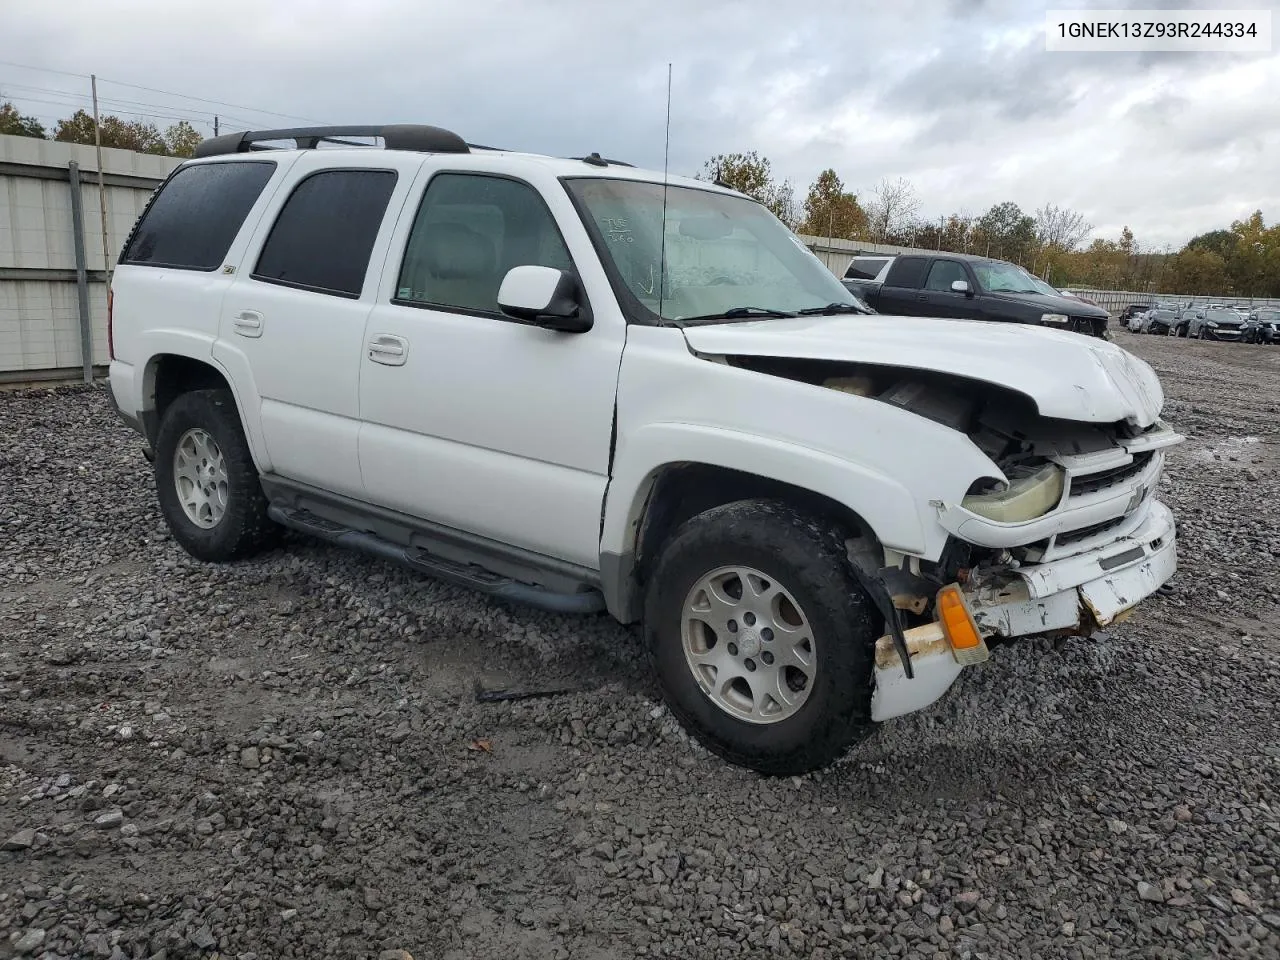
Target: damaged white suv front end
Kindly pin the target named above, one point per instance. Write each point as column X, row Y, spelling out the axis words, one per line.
column 1061, row 534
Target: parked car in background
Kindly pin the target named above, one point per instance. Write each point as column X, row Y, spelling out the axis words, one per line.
column 1216, row 323
column 965, row 287
column 1158, row 320
column 1263, row 326
column 1131, row 311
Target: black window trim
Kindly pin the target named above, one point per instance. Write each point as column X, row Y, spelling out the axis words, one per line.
column 584, row 300
column 155, row 194
column 312, row 288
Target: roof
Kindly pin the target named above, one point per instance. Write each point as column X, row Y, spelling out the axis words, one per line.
column 422, row 140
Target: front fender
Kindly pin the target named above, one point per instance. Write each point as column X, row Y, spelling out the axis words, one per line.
column 885, row 504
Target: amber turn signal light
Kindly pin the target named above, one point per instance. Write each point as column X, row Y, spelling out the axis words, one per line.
column 958, row 624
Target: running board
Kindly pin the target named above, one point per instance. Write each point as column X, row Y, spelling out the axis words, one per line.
column 470, row 575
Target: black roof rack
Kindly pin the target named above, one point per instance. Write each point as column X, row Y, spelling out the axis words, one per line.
column 395, row 136
column 598, row 161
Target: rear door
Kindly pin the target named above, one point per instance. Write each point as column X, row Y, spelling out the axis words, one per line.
column 295, row 314
column 944, row 301
column 902, row 292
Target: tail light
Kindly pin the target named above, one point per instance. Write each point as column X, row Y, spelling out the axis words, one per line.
column 111, row 344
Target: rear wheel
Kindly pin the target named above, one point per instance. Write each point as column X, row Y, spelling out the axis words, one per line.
column 206, row 480
column 761, row 638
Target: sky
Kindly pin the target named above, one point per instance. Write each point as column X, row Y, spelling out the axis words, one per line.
column 958, row 96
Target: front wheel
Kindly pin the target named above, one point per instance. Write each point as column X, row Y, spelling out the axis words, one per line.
column 206, row 479
column 761, row 638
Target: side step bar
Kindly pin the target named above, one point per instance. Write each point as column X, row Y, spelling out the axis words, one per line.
column 415, row 558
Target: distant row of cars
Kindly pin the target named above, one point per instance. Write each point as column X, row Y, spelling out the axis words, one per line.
column 1213, row 321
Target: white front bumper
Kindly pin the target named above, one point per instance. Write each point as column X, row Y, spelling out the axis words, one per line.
column 1075, row 595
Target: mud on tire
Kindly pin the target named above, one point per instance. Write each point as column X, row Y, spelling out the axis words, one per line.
column 807, row 558
column 244, row 528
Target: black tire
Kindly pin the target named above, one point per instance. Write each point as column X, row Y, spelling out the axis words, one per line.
column 1201, row 334
column 244, row 528
column 808, row 558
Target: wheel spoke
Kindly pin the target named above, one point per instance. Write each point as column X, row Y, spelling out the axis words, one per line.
column 200, row 478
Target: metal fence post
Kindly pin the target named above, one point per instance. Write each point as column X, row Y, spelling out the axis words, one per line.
column 82, row 275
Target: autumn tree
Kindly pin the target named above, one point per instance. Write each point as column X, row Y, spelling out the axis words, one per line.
column 831, row 211
column 1196, row 271
column 181, row 139
column 15, row 124
column 891, row 209
column 751, row 174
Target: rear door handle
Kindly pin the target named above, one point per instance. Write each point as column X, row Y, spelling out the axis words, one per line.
column 388, row 349
column 921, row 296
column 248, row 323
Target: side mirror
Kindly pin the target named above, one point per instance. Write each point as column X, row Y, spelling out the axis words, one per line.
column 544, row 297
column 960, row 286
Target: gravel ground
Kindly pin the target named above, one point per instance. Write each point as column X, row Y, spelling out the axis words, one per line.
column 285, row 757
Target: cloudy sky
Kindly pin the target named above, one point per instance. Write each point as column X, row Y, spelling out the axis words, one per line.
column 958, row 96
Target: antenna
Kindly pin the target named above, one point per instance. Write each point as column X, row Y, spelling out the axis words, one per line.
column 662, row 246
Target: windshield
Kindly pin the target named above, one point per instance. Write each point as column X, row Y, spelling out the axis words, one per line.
column 1009, row 278
column 722, row 253
column 1268, row 316
column 1223, row 316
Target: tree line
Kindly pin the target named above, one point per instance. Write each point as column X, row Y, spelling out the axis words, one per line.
column 178, row 140
column 1240, row 260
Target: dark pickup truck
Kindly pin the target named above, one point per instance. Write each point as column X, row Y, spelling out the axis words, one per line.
column 974, row 288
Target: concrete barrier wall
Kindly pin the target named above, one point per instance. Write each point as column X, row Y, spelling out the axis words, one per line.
column 40, row 322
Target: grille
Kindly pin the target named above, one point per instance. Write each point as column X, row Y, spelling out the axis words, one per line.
column 1094, row 482
column 1084, row 533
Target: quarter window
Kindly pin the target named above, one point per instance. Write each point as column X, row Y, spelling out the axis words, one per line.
column 192, row 221
column 470, row 230
column 324, row 234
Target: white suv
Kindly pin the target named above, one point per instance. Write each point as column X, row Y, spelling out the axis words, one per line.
column 576, row 384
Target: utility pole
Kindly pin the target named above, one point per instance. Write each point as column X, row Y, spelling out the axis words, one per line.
column 215, row 124
column 102, row 189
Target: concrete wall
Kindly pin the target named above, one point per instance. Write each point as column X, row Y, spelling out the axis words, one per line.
column 39, row 310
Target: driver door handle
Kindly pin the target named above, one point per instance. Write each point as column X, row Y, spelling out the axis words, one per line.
column 388, row 349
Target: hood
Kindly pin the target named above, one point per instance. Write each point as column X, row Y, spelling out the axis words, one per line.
column 1067, row 375
column 1072, row 306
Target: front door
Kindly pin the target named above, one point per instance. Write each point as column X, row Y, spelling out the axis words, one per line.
column 945, row 302
column 473, row 421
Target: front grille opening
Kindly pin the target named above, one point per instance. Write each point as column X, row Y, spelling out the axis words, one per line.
column 1093, row 482
column 1084, row 533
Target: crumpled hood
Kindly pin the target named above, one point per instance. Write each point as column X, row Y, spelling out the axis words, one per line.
column 1069, row 376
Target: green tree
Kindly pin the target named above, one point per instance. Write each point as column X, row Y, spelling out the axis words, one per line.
column 181, row 139
column 15, row 124
column 830, row 210
column 1253, row 263
column 751, row 174
column 1006, row 232
column 1220, row 242
column 1197, row 271
column 132, row 135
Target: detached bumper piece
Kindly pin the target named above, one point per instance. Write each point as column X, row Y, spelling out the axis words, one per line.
column 1077, row 595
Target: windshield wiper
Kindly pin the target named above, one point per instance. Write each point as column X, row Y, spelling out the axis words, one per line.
column 739, row 313
column 834, row 308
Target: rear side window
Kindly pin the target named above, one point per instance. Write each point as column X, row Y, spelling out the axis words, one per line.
column 324, row 234
column 191, row 222
column 906, row 272
column 865, row 268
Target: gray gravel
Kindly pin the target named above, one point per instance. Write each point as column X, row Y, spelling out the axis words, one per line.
column 284, row 758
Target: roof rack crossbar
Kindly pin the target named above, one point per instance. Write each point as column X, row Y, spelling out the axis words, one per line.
column 395, row 136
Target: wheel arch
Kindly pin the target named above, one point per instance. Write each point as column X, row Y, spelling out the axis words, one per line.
column 168, row 375
column 677, row 491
